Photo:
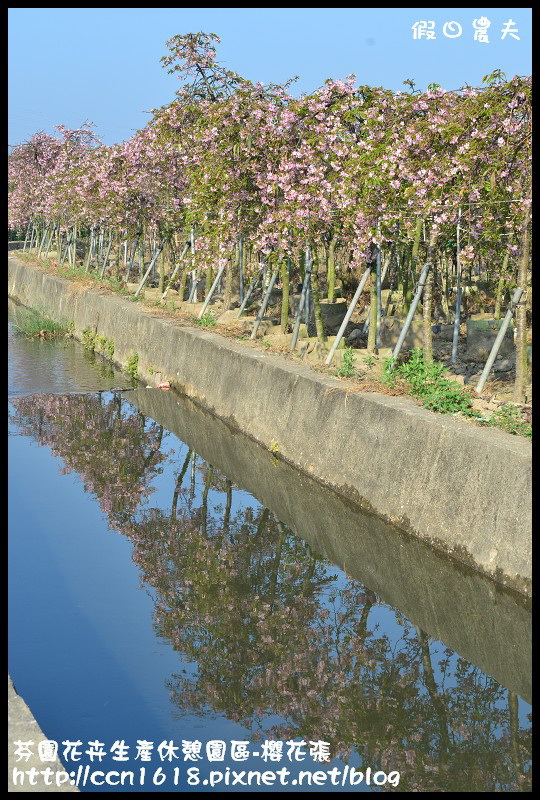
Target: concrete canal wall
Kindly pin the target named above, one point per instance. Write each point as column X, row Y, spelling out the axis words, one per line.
column 23, row 727
column 463, row 489
column 433, row 591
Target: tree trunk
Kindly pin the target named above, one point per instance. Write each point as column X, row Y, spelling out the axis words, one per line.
column 373, row 310
column 414, row 262
column 209, row 278
column 317, row 307
column 227, row 298
column 118, row 256
column 427, row 296
column 285, row 294
column 521, row 316
column 513, row 726
column 331, row 268
column 501, row 286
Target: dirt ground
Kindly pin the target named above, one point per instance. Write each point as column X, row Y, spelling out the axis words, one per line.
column 368, row 367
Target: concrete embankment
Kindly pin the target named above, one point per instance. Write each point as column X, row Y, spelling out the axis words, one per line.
column 22, row 727
column 434, row 592
column 464, row 490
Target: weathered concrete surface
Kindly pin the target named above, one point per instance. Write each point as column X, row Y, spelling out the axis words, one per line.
column 471, row 614
column 463, row 489
column 23, row 727
column 481, row 335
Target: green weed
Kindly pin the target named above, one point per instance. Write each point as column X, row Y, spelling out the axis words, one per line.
column 89, row 338
column 105, row 345
column 207, row 320
column 426, row 381
column 347, row 368
column 31, row 322
column 132, row 366
column 512, row 420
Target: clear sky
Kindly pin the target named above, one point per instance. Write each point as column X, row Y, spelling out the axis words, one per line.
column 67, row 66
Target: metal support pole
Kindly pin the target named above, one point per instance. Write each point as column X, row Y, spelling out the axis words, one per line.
column 248, row 294
column 381, row 313
column 412, row 309
column 49, row 242
column 264, row 303
column 193, row 290
column 141, row 256
column 241, row 267
column 68, row 243
column 69, row 249
column 45, row 232
column 175, row 270
column 307, row 278
column 348, row 315
column 391, row 286
column 109, row 245
column 152, row 262
column 194, row 275
column 90, row 250
column 498, row 341
column 32, row 235
column 457, row 320
column 306, row 305
column 211, row 292
column 378, row 288
column 101, row 239
column 29, row 228
column 192, row 476
column 132, row 258
column 74, row 256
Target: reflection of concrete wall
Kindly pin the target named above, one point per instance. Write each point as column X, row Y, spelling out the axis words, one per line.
column 463, row 489
column 468, row 612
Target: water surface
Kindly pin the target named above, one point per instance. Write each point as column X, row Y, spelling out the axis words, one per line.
column 154, row 597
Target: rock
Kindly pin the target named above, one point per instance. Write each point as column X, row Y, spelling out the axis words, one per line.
column 481, row 334
column 505, row 365
column 355, row 336
column 333, row 315
column 318, row 353
column 391, row 328
column 459, row 379
column 280, row 339
column 331, row 339
column 473, row 378
column 228, row 318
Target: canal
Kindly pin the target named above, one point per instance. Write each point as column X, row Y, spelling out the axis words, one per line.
column 181, row 599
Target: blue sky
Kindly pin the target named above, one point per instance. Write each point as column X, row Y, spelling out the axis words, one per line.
column 67, row 66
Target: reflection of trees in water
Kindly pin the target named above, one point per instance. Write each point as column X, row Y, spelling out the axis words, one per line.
column 278, row 642
column 111, row 445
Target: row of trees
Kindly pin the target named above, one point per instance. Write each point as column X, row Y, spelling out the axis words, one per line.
column 253, row 169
